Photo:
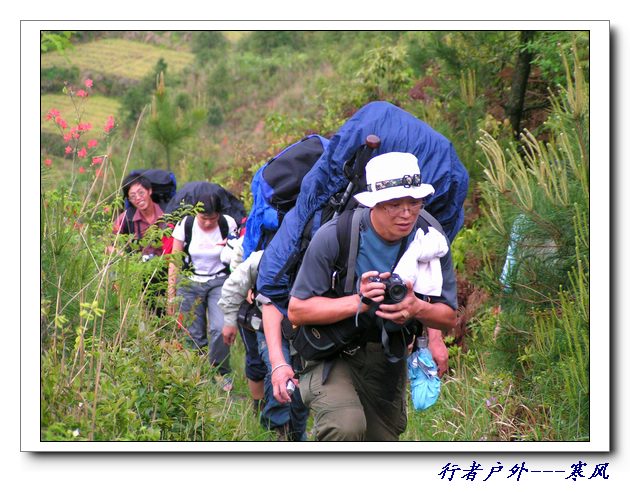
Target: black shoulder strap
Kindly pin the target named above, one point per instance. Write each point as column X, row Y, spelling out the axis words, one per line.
column 223, row 226
column 352, row 249
column 188, row 225
column 128, row 226
column 348, row 231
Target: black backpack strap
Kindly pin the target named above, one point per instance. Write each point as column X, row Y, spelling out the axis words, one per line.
column 128, row 225
column 352, row 250
column 223, row 226
column 188, row 225
column 342, row 261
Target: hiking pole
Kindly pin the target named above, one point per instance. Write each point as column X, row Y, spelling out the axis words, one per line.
column 361, row 158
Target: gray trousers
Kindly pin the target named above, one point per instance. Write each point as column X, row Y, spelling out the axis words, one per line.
column 204, row 320
column 363, row 399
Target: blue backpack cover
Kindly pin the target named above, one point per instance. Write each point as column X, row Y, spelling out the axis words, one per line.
column 399, row 131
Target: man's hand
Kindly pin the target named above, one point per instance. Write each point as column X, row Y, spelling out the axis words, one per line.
column 438, row 350
column 279, row 379
column 229, row 334
column 371, row 291
column 403, row 311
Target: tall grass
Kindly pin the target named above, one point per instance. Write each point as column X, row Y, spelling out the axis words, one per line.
column 111, row 369
column 542, row 187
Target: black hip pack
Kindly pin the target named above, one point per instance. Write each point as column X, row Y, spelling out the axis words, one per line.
column 320, row 342
column 249, row 318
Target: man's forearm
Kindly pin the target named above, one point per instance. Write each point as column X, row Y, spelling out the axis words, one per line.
column 272, row 323
column 438, row 316
column 322, row 310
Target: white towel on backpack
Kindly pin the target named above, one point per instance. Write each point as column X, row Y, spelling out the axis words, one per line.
column 421, row 262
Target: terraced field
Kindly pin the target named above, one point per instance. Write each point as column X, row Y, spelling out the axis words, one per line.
column 119, row 58
column 97, row 109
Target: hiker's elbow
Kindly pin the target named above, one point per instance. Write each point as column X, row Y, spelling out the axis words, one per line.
column 297, row 310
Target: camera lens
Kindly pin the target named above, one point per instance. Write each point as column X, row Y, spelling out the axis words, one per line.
column 397, row 292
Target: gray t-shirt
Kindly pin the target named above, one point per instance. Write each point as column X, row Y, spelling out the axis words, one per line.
column 315, row 275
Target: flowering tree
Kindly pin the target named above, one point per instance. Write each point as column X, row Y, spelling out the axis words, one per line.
column 81, row 147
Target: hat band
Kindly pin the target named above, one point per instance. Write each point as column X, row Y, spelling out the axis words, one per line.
column 407, row 181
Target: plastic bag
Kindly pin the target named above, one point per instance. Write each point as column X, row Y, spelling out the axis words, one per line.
column 423, row 378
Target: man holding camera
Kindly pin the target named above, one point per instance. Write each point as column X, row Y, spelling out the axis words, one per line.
column 360, row 394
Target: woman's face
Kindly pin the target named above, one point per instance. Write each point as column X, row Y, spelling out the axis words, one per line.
column 207, row 222
column 140, row 197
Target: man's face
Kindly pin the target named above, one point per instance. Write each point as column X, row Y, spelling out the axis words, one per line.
column 396, row 218
column 140, row 197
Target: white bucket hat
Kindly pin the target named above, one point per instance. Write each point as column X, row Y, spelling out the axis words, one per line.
column 393, row 175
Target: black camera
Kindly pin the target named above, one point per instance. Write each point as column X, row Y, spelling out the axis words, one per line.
column 395, row 288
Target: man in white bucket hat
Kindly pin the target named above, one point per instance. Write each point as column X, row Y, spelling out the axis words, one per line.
column 360, row 393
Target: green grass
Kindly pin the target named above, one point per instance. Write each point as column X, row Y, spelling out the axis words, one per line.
column 96, row 110
column 119, row 58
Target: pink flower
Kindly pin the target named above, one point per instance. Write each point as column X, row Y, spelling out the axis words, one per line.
column 67, row 137
column 81, row 170
column 68, row 150
column 47, row 162
column 61, row 122
column 96, row 160
column 53, row 113
column 84, row 127
column 106, row 209
column 88, row 83
column 92, row 143
column 82, row 153
column 109, row 124
column 81, row 93
column 98, row 172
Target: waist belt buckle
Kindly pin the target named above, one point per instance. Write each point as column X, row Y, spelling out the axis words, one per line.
column 351, row 350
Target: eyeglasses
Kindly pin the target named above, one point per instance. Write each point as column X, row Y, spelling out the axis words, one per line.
column 137, row 195
column 397, row 209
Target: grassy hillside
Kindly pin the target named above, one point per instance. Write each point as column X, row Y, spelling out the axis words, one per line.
column 119, row 58
column 96, row 111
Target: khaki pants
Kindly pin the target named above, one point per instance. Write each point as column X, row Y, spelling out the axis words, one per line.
column 363, row 399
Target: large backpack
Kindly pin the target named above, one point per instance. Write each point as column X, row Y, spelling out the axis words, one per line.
column 275, row 187
column 191, row 193
column 163, row 188
column 321, row 188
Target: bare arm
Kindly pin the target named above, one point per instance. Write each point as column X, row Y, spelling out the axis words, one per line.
column 438, row 350
column 172, row 276
column 280, row 367
column 320, row 310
